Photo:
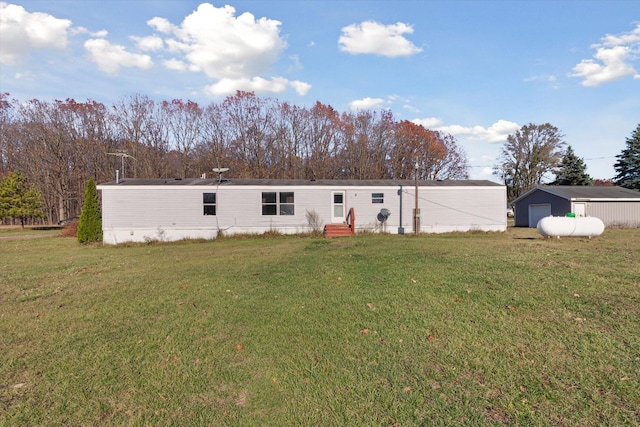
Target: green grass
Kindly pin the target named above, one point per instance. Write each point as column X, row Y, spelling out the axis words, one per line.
column 457, row 329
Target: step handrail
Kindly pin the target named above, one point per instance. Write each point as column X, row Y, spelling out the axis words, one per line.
column 351, row 220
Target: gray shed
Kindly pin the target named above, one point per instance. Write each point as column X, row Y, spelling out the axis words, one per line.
column 615, row 206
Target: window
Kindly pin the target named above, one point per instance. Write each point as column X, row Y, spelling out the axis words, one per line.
column 269, row 206
column 338, row 206
column 286, row 204
column 209, row 203
column 377, row 197
column 277, row 203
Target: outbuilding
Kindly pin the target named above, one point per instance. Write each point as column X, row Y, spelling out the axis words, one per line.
column 140, row 210
column 615, row 206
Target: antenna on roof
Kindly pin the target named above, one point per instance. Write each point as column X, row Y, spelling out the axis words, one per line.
column 122, row 155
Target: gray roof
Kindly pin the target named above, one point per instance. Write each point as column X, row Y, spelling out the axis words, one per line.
column 579, row 192
column 304, row 182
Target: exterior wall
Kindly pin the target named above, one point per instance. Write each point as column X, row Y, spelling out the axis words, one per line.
column 155, row 212
column 447, row 209
column 138, row 214
column 559, row 206
column 615, row 214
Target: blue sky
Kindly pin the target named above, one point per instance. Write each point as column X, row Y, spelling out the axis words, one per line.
column 478, row 70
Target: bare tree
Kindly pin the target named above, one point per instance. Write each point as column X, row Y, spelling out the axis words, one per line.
column 7, row 131
column 322, row 143
column 527, row 156
column 133, row 119
column 249, row 124
column 454, row 164
column 185, row 121
column 366, row 144
column 291, row 126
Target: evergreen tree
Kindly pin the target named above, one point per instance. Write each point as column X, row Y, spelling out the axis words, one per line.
column 628, row 164
column 90, row 225
column 572, row 170
column 18, row 199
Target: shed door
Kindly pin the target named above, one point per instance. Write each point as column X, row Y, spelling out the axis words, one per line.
column 537, row 212
column 579, row 209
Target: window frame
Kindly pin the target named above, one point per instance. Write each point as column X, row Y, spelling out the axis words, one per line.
column 277, row 203
column 208, row 204
column 286, row 203
column 269, row 203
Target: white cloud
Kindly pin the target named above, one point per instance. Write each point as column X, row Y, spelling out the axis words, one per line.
column 612, row 60
column 150, row 43
column 301, row 88
column 101, row 33
column 222, row 45
column 175, row 64
column 110, row 57
column 551, row 80
column 429, row 122
column 161, row 24
column 497, row 132
column 226, row 86
column 295, row 63
column 235, row 51
column 612, row 65
column 84, row 30
column 624, row 39
column 22, row 32
column 366, row 103
column 411, row 108
column 373, row 37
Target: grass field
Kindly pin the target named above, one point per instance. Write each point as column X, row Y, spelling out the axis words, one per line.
column 456, row 329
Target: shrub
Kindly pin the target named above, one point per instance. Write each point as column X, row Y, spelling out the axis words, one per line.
column 70, row 229
column 314, row 221
column 90, row 225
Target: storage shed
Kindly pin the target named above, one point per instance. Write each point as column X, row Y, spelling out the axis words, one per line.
column 615, row 206
column 157, row 209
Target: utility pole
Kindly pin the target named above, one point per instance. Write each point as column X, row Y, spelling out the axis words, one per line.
column 416, row 210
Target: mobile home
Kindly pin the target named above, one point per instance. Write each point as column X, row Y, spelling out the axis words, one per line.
column 138, row 210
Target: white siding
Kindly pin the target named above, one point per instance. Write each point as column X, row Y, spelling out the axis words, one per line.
column 616, row 214
column 240, row 209
column 155, row 212
column 445, row 209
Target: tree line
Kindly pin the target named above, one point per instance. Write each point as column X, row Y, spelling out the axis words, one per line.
column 59, row 145
column 56, row 147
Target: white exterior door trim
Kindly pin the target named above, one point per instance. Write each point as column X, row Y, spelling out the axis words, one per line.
column 338, row 207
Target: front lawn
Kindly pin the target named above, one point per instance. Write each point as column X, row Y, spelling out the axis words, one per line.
column 475, row 329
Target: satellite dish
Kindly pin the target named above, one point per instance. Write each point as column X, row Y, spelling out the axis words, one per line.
column 219, row 172
column 383, row 215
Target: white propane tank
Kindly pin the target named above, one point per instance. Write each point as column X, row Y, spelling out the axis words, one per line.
column 562, row 226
